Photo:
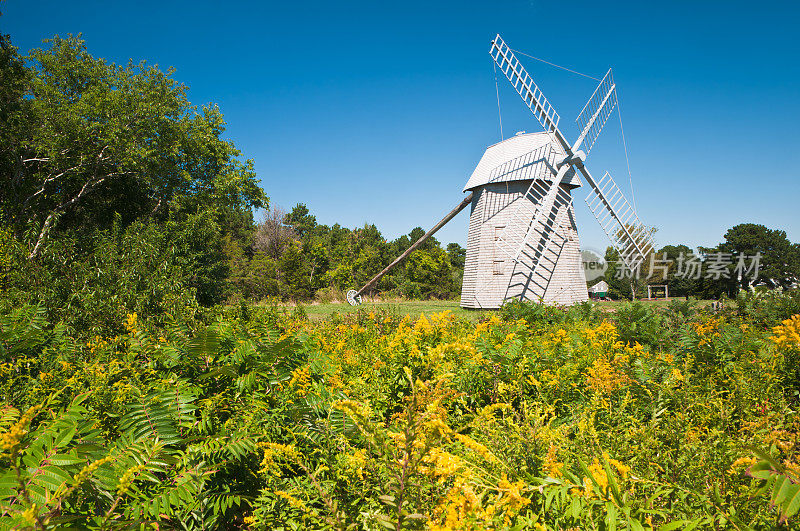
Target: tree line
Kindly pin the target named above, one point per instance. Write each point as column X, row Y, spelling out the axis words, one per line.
column 291, row 256
column 750, row 256
column 120, row 195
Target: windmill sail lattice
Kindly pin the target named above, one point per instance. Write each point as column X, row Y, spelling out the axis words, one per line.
column 619, row 221
column 524, row 85
column 529, row 218
column 595, row 113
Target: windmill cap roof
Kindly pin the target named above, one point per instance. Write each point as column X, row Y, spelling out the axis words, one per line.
column 520, row 158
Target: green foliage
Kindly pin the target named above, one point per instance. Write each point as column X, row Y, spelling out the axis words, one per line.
column 780, row 259
column 549, row 417
column 137, row 270
column 765, row 308
column 637, row 322
column 428, row 275
column 121, row 196
column 103, row 140
column 778, row 266
column 781, row 483
column 62, row 473
column 298, row 259
column 539, row 315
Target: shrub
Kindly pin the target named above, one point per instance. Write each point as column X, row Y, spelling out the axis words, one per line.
column 768, row 307
column 255, row 417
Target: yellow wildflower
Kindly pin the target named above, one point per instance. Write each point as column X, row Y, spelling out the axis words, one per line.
column 476, row 447
column 130, row 323
column 274, row 451
column 10, row 440
column 708, row 330
column 742, row 462
column 294, row 502
column 443, row 464
column 787, row 334
column 552, row 466
column 603, row 377
column 513, row 496
column 301, row 379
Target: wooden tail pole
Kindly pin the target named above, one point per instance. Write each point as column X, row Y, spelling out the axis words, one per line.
column 461, row 206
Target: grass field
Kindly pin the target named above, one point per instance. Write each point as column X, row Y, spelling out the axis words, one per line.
column 318, row 311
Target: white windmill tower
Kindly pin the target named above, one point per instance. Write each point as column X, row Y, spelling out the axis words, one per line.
column 523, row 242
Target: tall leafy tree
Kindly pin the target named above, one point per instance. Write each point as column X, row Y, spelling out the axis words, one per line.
column 417, row 233
column 680, row 284
column 103, row 140
column 780, row 259
column 14, row 82
column 301, row 220
column 457, row 254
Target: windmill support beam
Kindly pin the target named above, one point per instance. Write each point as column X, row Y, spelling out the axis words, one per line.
column 461, row 206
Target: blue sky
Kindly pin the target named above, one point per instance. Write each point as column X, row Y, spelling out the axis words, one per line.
column 376, row 112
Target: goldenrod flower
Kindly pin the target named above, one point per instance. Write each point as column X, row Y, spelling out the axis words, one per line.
column 787, row 334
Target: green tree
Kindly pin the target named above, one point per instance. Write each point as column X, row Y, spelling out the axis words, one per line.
column 780, row 259
column 301, row 220
column 458, row 256
column 102, row 140
column 680, row 285
column 294, row 273
column 417, row 233
column 14, row 82
column 89, row 149
column 429, row 274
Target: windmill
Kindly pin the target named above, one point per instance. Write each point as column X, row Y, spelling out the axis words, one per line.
column 523, row 241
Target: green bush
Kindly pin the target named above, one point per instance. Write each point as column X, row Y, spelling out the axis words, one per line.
column 136, row 270
column 768, row 307
column 640, row 323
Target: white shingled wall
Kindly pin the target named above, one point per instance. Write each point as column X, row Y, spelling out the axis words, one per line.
column 491, row 277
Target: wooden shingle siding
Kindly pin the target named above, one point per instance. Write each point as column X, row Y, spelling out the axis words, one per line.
column 549, row 268
column 473, row 242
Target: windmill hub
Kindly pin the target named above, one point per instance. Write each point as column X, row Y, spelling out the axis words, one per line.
column 575, row 160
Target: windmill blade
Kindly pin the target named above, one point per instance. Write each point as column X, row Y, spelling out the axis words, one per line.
column 533, row 217
column 524, row 85
column 530, row 217
column 541, row 255
column 595, row 113
column 632, row 240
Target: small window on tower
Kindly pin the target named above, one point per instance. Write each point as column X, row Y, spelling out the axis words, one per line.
column 497, row 267
column 498, row 231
